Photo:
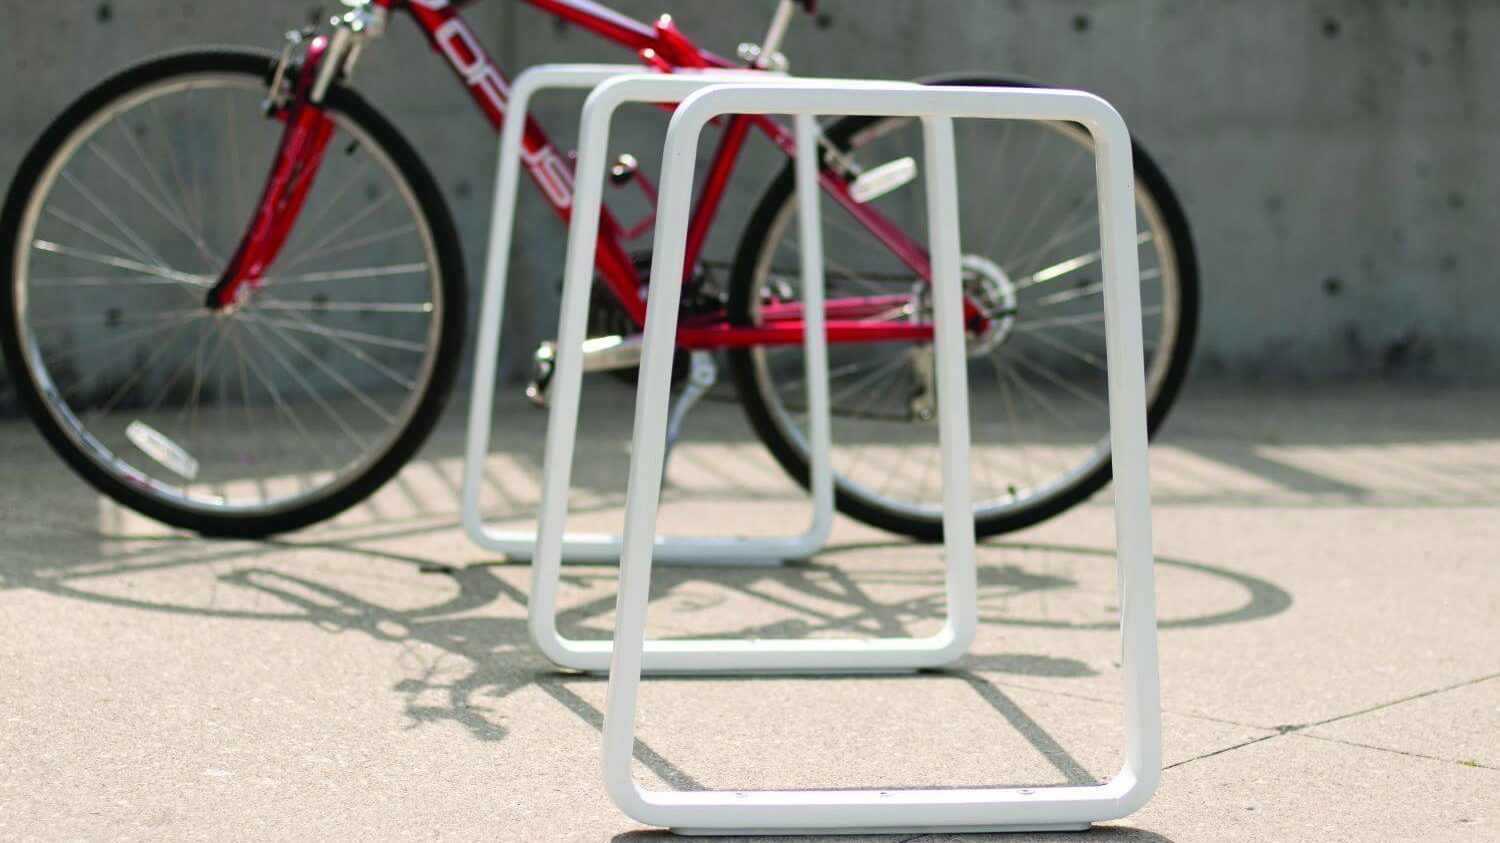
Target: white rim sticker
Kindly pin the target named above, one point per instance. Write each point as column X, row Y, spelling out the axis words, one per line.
column 162, row 449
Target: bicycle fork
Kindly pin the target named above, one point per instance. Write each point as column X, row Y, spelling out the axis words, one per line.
column 299, row 103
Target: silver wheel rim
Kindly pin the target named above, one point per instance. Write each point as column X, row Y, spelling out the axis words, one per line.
column 1161, row 271
column 263, row 318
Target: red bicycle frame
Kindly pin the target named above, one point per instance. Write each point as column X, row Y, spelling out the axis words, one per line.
column 661, row 46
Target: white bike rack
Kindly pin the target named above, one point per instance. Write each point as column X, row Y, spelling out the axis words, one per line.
column 893, row 810
column 566, row 384
column 704, row 656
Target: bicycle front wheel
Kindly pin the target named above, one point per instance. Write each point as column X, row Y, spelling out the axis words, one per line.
column 1038, row 392
column 241, row 421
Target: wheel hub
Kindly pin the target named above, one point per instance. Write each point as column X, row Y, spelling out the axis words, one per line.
column 993, row 295
column 992, row 291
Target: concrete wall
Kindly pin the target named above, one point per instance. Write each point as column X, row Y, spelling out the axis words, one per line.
column 1337, row 158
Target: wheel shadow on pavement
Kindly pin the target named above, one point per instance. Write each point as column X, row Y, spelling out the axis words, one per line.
column 480, row 621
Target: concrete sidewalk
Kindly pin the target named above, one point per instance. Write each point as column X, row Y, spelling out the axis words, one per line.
column 1329, row 581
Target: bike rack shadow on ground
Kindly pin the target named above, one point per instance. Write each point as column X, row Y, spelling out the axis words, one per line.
column 1067, row 807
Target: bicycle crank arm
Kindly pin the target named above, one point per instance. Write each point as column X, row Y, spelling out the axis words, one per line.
column 600, row 354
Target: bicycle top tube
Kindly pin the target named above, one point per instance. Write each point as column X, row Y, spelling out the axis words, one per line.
column 660, row 45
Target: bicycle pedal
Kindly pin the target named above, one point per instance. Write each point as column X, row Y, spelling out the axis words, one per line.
column 543, row 364
column 624, row 170
column 877, row 182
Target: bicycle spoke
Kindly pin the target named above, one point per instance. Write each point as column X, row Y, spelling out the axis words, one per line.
column 233, row 332
column 1097, row 329
column 310, row 225
column 177, row 167
column 1073, row 321
column 351, row 221
column 363, row 357
column 139, row 372
column 931, row 462
column 182, row 370
column 93, row 232
column 1070, row 228
column 281, row 405
column 1039, row 415
column 1074, row 294
column 65, row 281
column 1014, row 418
column 123, row 263
column 873, row 398
column 1071, row 350
column 202, row 364
column 890, row 476
column 145, row 250
column 155, row 108
column 984, row 459
column 349, row 245
column 235, row 171
column 347, row 274
column 1039, row 211
column 322, row 402
column 1088, row 290
column 193, row 181
column 359, row 395
column 52, row 357
column 845, row 222
column 150, row 171
column 889, row 366
column 345, row 307
column 194, row 216
column 354, row 336
column 999, row 158
column 153, row 202
column 1020, row 381
column 160, row 316
column 225, row 440
column 1054, row 378
column 795, row 382
column 840, row 272
column 1057, row 270
column 1015, row 198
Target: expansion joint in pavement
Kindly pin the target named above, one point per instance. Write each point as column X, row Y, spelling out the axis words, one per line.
column 1395, row 702
column 1460, row 762
column 1301, row 728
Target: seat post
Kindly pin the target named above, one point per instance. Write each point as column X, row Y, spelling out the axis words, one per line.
column 771, row 44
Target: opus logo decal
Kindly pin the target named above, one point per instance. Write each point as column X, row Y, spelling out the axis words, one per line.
column 462, row 49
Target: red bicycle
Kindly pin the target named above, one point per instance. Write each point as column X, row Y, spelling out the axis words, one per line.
column 237, row 298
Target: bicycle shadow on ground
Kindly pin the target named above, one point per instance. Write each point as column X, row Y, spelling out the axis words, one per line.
column 482, row 620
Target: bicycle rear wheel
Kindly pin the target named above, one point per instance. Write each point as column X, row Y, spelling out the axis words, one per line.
column 1038, row 395
column 250, row 420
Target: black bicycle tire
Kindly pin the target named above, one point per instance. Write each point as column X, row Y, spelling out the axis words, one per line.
column 773, row 201
column 450, row 273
